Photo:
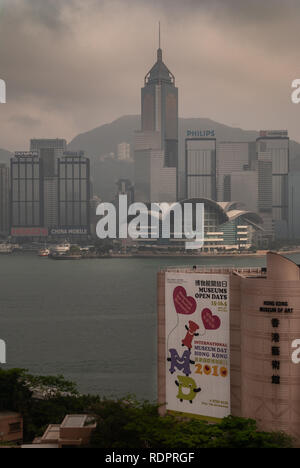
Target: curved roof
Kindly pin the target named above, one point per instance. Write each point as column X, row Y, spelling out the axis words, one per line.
column 250, row 216
column 231, row 205
column 228, row 211
column 212, row 203
column 223, row 209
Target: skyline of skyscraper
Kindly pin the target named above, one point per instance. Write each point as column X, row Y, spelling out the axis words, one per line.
column 50, row 195
column 156, row 145
column 273, row 147
column 159, row 98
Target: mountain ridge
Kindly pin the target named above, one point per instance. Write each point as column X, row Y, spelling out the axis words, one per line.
column 95, row 141
column 103, row 140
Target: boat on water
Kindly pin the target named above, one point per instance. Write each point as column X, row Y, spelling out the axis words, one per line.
column 64, row 252
column 60, row 249
column 6, row 249
column 44, row 253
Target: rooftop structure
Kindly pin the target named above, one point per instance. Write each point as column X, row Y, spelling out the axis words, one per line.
column 74, row 431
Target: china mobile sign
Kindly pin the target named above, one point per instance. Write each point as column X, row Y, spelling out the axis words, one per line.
column 159, row 221
column 197, row 344
column 2, row 92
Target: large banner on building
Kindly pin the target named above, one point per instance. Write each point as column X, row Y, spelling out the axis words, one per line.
column 197, row 344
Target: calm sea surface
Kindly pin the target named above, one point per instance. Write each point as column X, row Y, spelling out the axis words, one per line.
column 94, row 321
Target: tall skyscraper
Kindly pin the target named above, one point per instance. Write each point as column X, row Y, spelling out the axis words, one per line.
column 49, row 151
column 273, row 147
column 4, row 199
column 160, row 108
column 50, row 195
column 156, row 145
column 27, row 193
column 201, row 168
column 232, row 157
column 74, row 191
column 244, row 189
column 294, row 205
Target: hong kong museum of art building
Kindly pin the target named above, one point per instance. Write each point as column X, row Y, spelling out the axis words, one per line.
column 229, row 343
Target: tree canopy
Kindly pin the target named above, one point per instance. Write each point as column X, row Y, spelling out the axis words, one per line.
column 124, row 423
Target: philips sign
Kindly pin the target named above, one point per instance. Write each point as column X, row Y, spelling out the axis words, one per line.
column 201, row 134
column 2, row 92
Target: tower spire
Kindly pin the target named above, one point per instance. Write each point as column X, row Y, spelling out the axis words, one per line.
column 159, row 37
column 159, row 51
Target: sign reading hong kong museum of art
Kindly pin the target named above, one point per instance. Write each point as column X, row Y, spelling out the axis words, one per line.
column 197, row 344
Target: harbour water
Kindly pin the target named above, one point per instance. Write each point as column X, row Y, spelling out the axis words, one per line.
column 94, row 321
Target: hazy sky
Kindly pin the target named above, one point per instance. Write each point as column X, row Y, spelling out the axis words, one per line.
column 72, row 65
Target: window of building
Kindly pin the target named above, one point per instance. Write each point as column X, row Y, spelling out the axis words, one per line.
column 14, row 427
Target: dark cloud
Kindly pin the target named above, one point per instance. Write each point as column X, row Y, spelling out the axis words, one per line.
column 24, row 120
column 71, row 65
column 247, row 10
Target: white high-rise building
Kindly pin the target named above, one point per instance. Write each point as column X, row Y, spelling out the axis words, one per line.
column 244, row 189
column 231, row 157
column 124, row 152
column 154, row 183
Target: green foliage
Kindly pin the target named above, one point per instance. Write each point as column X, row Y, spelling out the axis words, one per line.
column 58, row 384
column 18, row 391
column 138, row 425
column 103, row 246
column 14, row 393
column 125, row 423
column 53, row 410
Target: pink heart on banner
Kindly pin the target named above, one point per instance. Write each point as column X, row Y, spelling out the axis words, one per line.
column 210, row 321
column 184, row 304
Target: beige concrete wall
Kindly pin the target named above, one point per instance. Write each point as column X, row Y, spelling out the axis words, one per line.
column 7, row 434
column 235, row 345
column 275, row 407
column 76, row 433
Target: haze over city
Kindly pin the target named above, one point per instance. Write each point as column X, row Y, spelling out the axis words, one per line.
column 149, row 226
column 72, row 66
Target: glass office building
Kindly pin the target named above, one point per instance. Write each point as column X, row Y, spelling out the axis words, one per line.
column 49, row 195
column 4, row 199
column 26, row 190
column 201, row 168
column 74, row 190
column 273, row 147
